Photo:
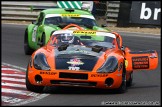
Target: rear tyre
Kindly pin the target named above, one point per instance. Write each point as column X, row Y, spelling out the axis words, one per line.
column 27, row 49
column 34, row 88
column 123, row 87
column 129, row 82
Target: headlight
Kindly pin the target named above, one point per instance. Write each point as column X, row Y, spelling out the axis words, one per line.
column 110, row 65
column 40, row 62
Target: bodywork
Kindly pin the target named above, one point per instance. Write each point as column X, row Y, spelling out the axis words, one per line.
column 100, row 64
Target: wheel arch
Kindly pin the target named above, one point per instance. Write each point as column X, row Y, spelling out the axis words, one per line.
column 29, row 31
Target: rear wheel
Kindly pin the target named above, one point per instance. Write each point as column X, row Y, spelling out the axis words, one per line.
column 123, row 86
column 34, row 88
column 129, row 82
column 27, row 49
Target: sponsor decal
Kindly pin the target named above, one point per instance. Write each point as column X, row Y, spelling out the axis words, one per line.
column 78, row 51
column 85, row 32
column 74, row 68
column 75, row 62
column 149, row 11
column 48, row 73
column 70, row 15
column 99, row 75
column 140, row 62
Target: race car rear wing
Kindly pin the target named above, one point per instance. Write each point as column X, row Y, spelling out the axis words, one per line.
column 141, row 60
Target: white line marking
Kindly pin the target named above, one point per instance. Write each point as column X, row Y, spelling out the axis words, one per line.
column 18, row 75
column 33, row 99
column 8, row 99
column 10, row 69
column 14, row 66
column 13, row 85
column 13, row 91
column 13, row 79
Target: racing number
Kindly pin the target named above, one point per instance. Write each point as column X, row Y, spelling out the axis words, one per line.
column 34, row 34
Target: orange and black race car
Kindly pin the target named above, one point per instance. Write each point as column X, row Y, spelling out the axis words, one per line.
column 86, row 58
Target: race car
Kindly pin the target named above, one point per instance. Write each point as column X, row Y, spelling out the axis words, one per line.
column 86, row 58
column 50, row 20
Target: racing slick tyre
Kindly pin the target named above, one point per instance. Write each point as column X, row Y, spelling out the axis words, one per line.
column 27, row 49
column 129, row 82
column 34, row 88
column 123, row 86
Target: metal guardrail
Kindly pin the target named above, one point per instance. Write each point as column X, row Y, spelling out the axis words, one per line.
column 21, row 10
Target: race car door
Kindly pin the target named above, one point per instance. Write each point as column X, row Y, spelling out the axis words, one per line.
column 138, row 60
column 37, row 30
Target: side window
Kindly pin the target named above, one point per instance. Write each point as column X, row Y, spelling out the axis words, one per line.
column 40, row 19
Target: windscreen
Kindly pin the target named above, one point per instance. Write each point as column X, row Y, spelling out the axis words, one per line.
column 82, row 39
column 81, row 21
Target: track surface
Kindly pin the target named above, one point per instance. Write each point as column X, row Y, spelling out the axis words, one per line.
column 146, row 84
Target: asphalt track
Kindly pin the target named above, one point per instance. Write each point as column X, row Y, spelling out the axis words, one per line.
column 146, row 84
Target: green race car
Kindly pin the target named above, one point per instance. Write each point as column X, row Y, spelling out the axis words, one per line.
column 38, row 33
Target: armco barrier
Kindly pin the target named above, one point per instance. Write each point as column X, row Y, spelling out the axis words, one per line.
column 21, row 10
